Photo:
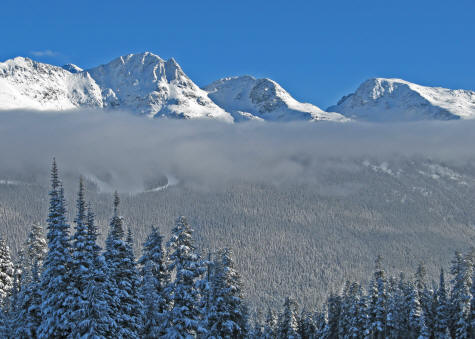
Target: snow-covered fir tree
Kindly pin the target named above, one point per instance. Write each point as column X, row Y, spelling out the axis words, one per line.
column 226, row 319
column 81, row 268
column 56, row 277
column 270, row 325
column 7, row 273
column 28, row 310
column 441, row 311
column 461, row 270
column 123, row 274
column 98, row 320
column 36, row 246
column 155, row 279
column 288, row 322
column 185, row 314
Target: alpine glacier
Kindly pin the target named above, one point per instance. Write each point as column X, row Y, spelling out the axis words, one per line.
column 382, row 99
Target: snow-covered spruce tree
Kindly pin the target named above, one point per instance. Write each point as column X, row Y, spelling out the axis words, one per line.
column 307, row 328
column 441, row 311
column 123, row 274
column 398, row 314
column 28, row 317
column 6, row 272
column 288, row 323
column 344, row 320
column 97, row 320
column 227, row 320
column 424, row 332
column 364, row 323
column 155, row 279
column 379, row 301
column 184, row 316
column 33, row 250
column 353, row 311
column 154, row 320
column 270, row 326
column 56, row 276
column 81, row 268
column 334, row 312
column 415, row 311
column 461, row 270
column 36, row 247
column 425, row 296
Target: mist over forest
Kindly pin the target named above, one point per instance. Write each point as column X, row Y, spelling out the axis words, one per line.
column 302, row 205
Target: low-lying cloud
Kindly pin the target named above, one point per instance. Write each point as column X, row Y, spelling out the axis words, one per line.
column 125, row 149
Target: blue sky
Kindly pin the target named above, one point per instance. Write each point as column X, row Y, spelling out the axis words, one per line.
column 317, row 50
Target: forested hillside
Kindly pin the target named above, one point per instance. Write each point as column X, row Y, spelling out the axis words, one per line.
column 68, row 286
column 300, row 235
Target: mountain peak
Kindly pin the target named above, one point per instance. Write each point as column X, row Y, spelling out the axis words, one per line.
column 392, row 99
column 148, row 85
column 248, row 98
column 72, row 68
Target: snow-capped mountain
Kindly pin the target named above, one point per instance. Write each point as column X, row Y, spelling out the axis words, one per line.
column 248, row 98
column 142, row 83
column 25, row 83
column 148, row 85
column 398, row 100
column 145, row 84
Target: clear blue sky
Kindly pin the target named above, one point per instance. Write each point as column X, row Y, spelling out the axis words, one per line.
column 317, row 50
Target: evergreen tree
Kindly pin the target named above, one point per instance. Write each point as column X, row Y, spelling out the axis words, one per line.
column 441, row 315
column 28, row 311
column 36, row 246
column 425, row 296
column 288, row 324
column 123, row 274
column 227, row 320
column 307, row 329
column 415, row 311
column 56, row 267
column 184, row 316
column 460, row 298
column 155, row 279
column 7, row 273
column 97, row 319
column 334, row 312
column 270, row 326
column 153, row 318
column 379, row 301
column 82, row 269
column 424, row 332
column 398, row 315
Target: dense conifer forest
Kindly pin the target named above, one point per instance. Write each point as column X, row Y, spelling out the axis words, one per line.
column 65, row 285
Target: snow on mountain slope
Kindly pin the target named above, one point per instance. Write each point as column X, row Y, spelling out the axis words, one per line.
column 28, row 84
column 151, row 86
column 72, row 68
column 398, row 100
column 248, row 98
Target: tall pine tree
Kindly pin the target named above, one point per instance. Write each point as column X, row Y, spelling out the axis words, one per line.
column 185, row 314
column 124, row 277
column 56, row 276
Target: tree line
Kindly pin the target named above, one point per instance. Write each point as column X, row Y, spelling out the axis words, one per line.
column 67, row 286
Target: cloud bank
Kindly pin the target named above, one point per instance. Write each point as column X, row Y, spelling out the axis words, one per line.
column 123, row 149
